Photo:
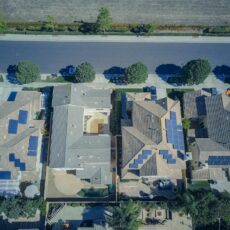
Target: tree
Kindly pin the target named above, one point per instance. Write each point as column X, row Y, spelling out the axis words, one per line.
column 186, row 123
column 125, row 216
column 136, row 73
column 85, row 73
column 20, row 207
column 27, row 72
column 3, row 25
column 195, row 71
column 50, row 24
column 104, row 20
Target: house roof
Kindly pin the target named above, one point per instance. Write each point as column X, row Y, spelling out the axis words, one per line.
column 218, row 119
column 22, row 99
column 70, row 147
column 194, row 103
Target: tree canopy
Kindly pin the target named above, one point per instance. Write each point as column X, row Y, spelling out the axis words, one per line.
column 136, row 73
column 186, row 123
column 204, row 207
column 27, row 72
column 195, row 71
column 125, row 216
column 85, row 73
column 50, row 23
column 104, row 20
column 3, row 25
column 17, row 207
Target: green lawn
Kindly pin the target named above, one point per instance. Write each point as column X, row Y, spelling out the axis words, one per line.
column 92, row 192
column 197, row 185
column 115, row 117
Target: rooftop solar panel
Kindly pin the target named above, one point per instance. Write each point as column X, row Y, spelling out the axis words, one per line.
column 22, row 167
column 12, row 126
column 172, row 115
column 163, row 152
column 22, row 117
column 133, row 166
column 171, row 161
column 32, row 153
column 17, row 163
column 5, row 175
column 219, row 160
column 12, row 96
column 11, row 157
column 33, row 143
column 147, row 152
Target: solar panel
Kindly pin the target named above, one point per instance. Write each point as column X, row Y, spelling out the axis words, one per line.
column 12, row 126
column 147, row 152
column 32, row 153
column 33, row 143
column 5, row 175
column 11, row 157
column 12, row 96
column 172, row 115
column 22, row 167
column 22, row 117
column 163, row 152
column 133, row 166
column 17, row 163
column 138, row 161
column 171, row 161
column 219, row 160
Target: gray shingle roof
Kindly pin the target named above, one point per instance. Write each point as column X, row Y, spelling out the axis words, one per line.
column 218, row 119
column 194, row 103
column 70, row 147
column 22, row 98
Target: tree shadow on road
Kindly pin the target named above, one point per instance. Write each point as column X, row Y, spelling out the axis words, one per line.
column 222, row 73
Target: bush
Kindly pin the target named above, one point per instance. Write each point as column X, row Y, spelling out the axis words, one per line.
column 196, row 71
column 34, row 28
column 85, row 73
column 119, row 28
column 136, row 73
column 73, row 28
column 27, row 72
column 92, row 192
column 61, row 28
column 20, row 27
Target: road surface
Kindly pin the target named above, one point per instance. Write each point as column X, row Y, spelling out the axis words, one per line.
column 52, row 56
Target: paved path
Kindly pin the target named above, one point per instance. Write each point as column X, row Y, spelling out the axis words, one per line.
column 52, row 56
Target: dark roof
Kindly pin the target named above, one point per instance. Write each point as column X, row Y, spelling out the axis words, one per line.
column 218, row 119
column 194, row 103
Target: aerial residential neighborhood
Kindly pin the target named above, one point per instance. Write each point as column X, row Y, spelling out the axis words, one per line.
column 114, row 115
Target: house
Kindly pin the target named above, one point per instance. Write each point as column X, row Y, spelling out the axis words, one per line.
column 20, row 141
column 210, row 145
column 153, row 145
column 80, row 139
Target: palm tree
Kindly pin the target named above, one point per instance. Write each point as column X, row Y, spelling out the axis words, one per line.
column 125, row 216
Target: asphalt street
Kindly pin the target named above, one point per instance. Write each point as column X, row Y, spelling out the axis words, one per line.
column 52, row 56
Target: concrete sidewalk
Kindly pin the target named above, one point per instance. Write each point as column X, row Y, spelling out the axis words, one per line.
column 114, row 38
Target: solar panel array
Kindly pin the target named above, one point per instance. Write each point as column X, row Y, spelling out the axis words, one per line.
column 219, row 160
column 22, row 116
column 167, row 156
column 12, row 96
column 12, row 126
column 174, row 132
column 5, row 175
column 141, row 158
column 33, row 145
column 17, row 162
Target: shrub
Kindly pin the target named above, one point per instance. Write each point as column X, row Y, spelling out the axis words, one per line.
column 196, row 71
column 73, row 28
column 136, row 73
column 85, row 73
